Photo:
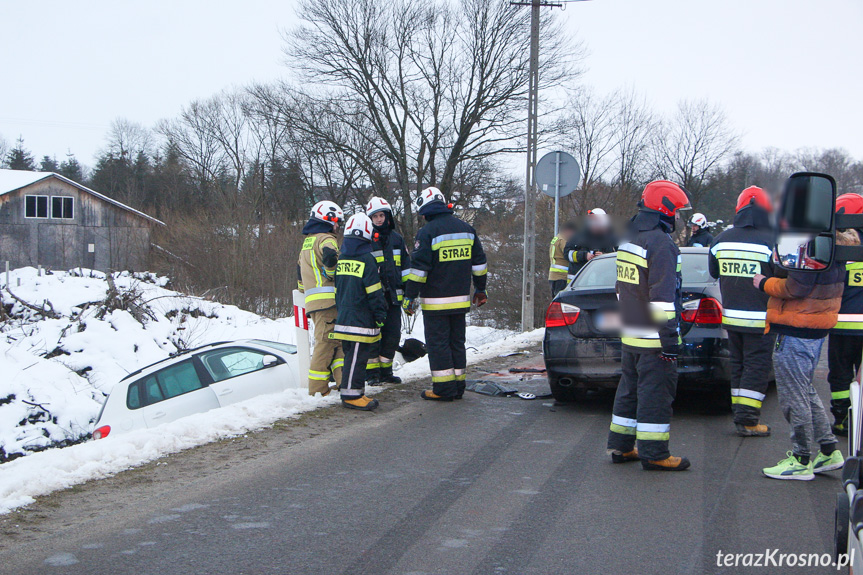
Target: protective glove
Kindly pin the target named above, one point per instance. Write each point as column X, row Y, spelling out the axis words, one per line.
column 670, row 353
column 409, row 305
column 479, row 298
column 380, row 324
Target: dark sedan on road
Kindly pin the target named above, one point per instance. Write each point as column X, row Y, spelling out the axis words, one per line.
column 582, row 336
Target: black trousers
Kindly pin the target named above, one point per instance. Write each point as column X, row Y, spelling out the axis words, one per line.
column 843, row 359
column 751, row 362
column 642, row 405
column 556, row 286
column 354, row 371
column 445, row 342
column 391, row 333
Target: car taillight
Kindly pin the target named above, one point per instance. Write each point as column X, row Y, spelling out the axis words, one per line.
column 101, row 432
column 561, row 314
column 704, row 311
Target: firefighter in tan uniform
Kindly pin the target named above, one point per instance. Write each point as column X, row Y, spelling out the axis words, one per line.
column 558, row 271
column 316, row 278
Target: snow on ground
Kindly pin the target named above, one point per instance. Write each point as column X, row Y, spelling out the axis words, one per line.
column 58, row 369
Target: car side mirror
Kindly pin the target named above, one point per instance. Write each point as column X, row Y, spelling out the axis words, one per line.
column 270, row 361
column 806, row 227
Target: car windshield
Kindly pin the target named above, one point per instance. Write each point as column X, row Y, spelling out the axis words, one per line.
column 602, row 272
column 285, row 347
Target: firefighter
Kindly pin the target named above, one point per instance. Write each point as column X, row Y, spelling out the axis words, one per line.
column 736, row 255
column 596, row 238
column 558, row 272
column 700, row 237
column 447, row 254
column 648, row 286
column 316, row 278
column 845, row 342
column 393, row 266
column 362, row 310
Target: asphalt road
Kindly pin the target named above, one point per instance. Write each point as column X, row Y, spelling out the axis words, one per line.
column 485, row 486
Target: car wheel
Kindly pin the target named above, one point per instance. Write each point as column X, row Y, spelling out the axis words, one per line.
column 566, row 393
column 840, row 529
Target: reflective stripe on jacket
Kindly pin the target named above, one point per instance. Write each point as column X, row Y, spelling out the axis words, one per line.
column 648, row 287
column 850, row 320
column 735, row 257
column 447, row 256
column 359, row 299
column 315, row 279
column 559, row 265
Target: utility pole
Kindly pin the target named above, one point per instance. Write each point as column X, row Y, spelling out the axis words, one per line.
column 529, row 261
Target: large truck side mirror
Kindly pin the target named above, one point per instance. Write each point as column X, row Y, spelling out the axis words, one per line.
column 806, row 226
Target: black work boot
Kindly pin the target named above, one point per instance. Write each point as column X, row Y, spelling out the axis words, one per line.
column 388, row 377
column 373, row 376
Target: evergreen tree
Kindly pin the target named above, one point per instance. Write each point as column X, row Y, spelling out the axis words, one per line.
column 72, row 168
column 49, row 164
column 19, row 158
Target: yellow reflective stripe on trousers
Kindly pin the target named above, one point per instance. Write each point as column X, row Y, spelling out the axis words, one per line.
column 746, row 401
column 623, row 425
column 441, row 303
column 736, row 322
column 850, row 321
column 840, row 394
column 641, row 342
column 653, row 431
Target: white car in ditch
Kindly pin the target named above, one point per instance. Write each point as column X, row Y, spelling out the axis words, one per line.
column 198, row 380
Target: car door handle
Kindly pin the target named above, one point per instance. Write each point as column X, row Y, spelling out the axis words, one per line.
column 158, row 415
column 226, row 391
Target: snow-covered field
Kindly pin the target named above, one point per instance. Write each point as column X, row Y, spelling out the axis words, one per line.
column 67, row 342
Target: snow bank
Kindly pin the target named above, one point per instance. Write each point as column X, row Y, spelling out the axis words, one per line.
column 68, row 362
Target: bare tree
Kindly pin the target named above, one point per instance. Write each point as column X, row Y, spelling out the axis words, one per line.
column 128, row 140
column 435, row 84
column 694, row 143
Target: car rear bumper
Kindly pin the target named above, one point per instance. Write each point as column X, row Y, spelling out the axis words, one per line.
column 595, row 362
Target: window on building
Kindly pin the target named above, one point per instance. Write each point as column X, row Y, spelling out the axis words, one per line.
column 35, row 206
column 63, row 208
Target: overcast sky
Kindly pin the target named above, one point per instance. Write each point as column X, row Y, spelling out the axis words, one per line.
column 788, row 72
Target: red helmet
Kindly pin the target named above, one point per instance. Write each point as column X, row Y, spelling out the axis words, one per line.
column 756, row 194
column 664, row 197
column 849, row 204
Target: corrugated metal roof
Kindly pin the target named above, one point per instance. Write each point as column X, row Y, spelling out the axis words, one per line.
column 12, row 180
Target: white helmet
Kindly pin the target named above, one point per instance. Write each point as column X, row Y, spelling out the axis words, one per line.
column 376, row 205
column 429, row 196
column 359, row 226
column 327, row 211
column 698, row 219
column 598, row 216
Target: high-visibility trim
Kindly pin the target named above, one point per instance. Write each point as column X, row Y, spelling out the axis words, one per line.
column 743, row 392
column 622, row 430
column 405, row 274
column 319, row 375
column 734, row 322
column 634, row 249
column 373, row 364
column 744, row 314
column 300, row 285
column 482, row 269
column 386, row 364
column 741, row 255
column 460, row 239
column 652, row 436
column 653, row 431
column 441, row 303
column 748, row 248
column 443, row 375
column 641, row 342
column 352, row 337
column 337, row 363
column 321, row 296
column 418, row 276
column 840, row 394
column 318, row 280
column 557, row 268
column 746, row 401
column 627, row 256
column 373, row 288
column 624, row 421
column 356, row 329
column 854, row 266
column 850, row 321
column 319, row 290
column 664, row 305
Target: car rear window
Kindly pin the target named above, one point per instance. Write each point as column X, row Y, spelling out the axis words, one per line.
column 164, row 384
column 602, row 273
